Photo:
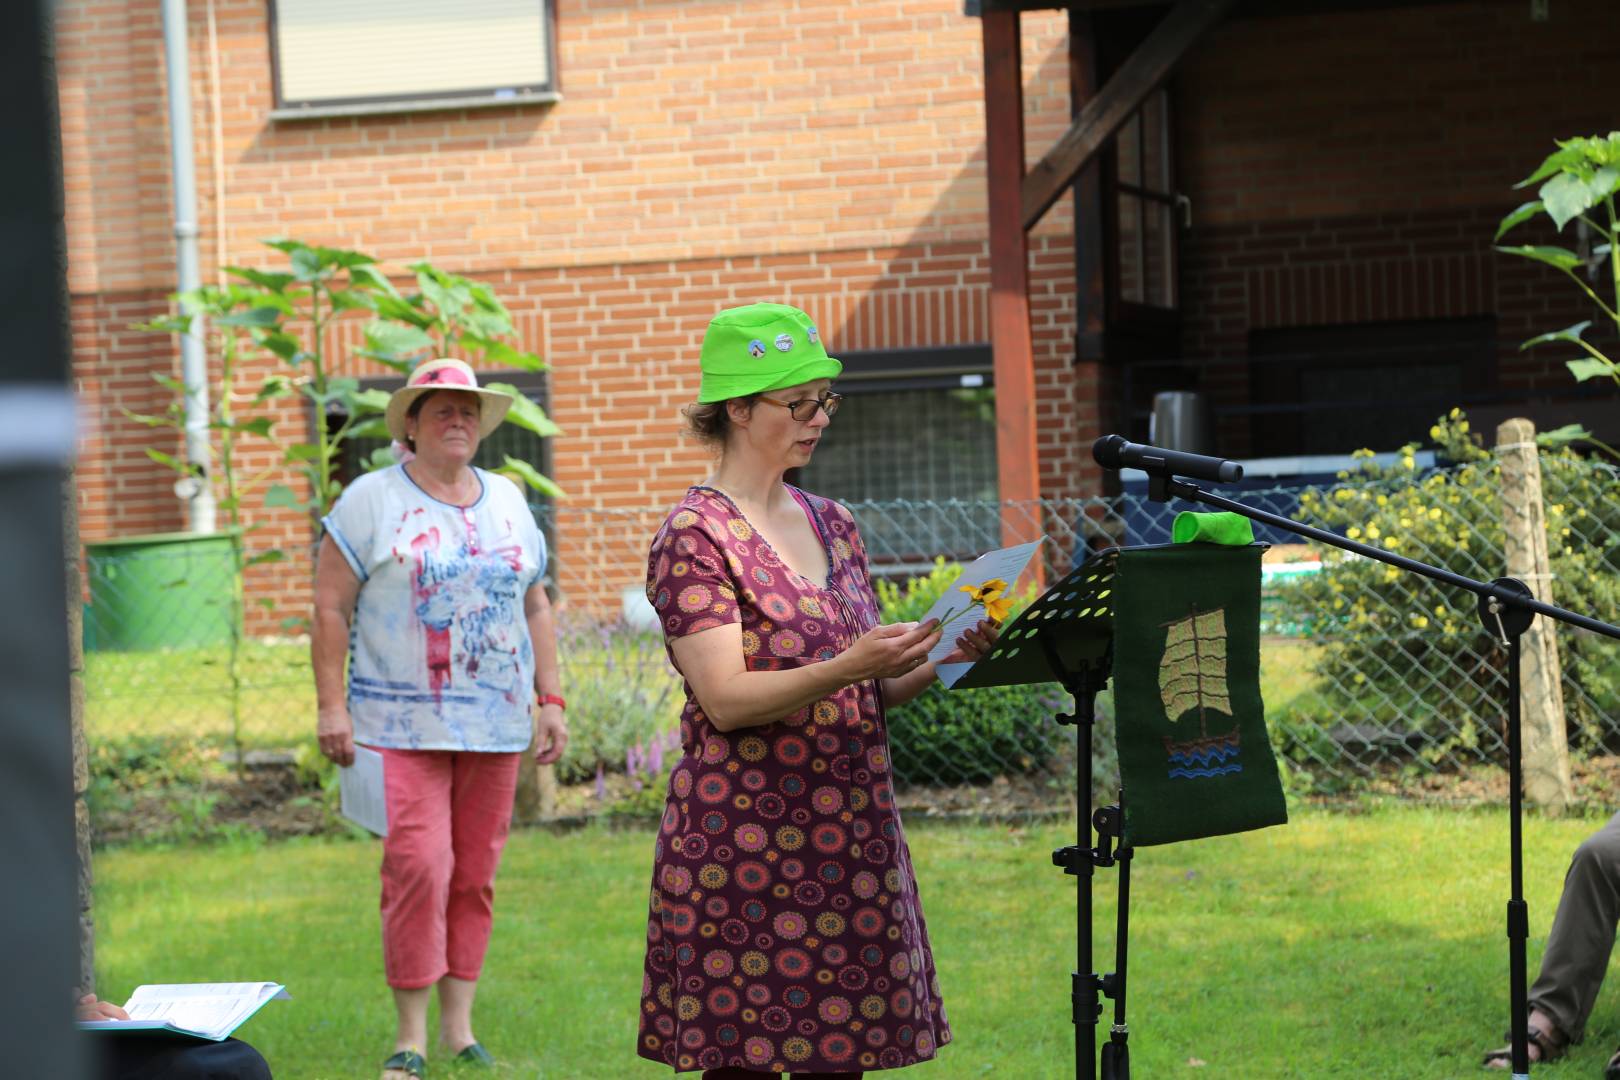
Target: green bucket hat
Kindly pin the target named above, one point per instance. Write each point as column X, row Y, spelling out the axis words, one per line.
column 759, row 347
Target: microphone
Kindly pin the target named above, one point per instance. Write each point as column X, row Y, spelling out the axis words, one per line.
column 1114, row 452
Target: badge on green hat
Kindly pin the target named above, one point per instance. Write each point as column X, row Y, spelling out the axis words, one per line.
column 759, row 347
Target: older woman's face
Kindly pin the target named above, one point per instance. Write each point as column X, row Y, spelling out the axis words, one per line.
column 446, row 427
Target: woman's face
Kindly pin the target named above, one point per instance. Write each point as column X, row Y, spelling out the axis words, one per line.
column 446, row 427
column 769, row 426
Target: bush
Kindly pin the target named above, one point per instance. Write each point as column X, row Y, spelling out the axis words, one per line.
column 623, row 697
column 965, row 736
column 1401, row 651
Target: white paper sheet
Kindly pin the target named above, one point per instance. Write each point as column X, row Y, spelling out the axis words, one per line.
column 1004, row 563
column 361, row 789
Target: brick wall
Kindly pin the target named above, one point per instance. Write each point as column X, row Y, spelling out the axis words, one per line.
column 1323, row 198
column 704, row 154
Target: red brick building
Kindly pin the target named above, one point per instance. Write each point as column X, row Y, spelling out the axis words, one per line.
column 1314, row 195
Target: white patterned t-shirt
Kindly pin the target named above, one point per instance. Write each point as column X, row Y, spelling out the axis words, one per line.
column 439, row 650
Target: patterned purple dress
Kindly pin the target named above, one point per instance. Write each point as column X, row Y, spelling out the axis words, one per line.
column 785, row 932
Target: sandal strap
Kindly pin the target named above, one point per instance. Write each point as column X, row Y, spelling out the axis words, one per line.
column 408, row 1061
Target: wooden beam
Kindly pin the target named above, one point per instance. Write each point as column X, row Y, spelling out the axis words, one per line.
column 1017, row 467
column 1123, row 94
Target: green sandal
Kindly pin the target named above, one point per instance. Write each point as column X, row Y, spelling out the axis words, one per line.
column 408, row 1062
column 475, row 1054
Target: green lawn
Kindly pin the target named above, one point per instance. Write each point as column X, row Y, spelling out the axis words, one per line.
column 1337, row 946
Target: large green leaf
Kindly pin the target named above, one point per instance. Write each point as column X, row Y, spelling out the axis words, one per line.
column 1590, row 367
column 283, row 344
column 1567, row 156
column 1571, row 334
column 349, row 300
column 342, row 257
column 374, row 428
column 401, row 341
column 527, row 473
column 1562, row 258
column 402, row 310
column 300, row 452
column 1566, row 197
column 274, row 386
column 258, row 316
column 280, row 495
column 1561, row 437
column 366, row 276
column 525, row 413
column 273, row 280
column 370, row 400
column 498, row 354
column 306, row 264
column 1522, row 214
column 258, row 425
column 170, row 460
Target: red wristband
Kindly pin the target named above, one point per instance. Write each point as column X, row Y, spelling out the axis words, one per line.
column 551, row 699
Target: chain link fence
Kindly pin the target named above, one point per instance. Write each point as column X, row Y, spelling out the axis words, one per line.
column 1368, row 674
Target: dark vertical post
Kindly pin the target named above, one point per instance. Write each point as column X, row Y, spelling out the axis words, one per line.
column 38, row 868
column 1518, row 915
column 1017, row 468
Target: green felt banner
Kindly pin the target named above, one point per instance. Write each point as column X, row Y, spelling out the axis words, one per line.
column 1194, row 757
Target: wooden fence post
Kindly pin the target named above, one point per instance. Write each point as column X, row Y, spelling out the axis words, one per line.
column 1524, row 522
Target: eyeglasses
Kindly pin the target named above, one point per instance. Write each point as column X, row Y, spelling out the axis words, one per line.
column 804, row 409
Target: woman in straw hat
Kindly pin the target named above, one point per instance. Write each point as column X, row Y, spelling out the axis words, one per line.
column 432, row 570
column 785, row 932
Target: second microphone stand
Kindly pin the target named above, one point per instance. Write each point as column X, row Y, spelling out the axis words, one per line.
column 1506, row 607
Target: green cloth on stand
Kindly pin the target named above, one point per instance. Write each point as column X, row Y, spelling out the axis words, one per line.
column 1221, row 528
column 1194, row 756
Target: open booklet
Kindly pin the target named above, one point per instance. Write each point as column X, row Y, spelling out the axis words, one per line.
column 202, row 1010
column 960, row 613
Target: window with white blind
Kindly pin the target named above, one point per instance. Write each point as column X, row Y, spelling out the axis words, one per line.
column 341, row 57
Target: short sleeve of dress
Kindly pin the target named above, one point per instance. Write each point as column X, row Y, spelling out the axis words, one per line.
column 689, row 579
column 352, row 523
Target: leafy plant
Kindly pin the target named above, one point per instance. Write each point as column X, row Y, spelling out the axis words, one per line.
column 1577, row 181
column 623, row 698
column 965, row 736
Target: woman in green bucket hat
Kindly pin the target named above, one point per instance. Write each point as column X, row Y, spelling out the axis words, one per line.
column 785, row 931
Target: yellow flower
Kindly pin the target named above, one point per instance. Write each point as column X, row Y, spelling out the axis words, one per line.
column 1353, row 532
column 989, row 594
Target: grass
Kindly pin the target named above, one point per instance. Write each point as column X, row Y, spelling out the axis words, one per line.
column 1337, row 946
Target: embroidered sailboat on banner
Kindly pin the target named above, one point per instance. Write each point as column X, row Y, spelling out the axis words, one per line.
column 1192, row 678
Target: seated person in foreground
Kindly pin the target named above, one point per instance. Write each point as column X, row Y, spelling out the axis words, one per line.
column 1577, row 955
column 120, row 1056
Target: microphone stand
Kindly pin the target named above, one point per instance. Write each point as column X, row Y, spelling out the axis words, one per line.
column 1506, row 607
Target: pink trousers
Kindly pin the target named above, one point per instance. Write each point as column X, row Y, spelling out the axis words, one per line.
column 448, row 817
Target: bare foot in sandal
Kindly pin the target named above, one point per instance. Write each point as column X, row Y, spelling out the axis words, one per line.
column 1547, row 1043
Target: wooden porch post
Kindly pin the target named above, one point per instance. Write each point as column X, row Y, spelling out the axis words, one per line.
column 1018, row 468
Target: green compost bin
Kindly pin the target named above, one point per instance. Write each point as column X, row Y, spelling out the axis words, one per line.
column 162, row 591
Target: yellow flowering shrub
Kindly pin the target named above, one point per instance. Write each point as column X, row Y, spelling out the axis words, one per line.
column 1409, row 654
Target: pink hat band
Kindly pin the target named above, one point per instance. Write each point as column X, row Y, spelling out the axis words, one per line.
column 448, row 375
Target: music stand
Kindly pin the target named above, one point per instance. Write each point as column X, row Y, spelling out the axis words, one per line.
column 1067, row 635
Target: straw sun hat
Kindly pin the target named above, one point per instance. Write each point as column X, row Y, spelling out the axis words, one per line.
column 446, row 373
